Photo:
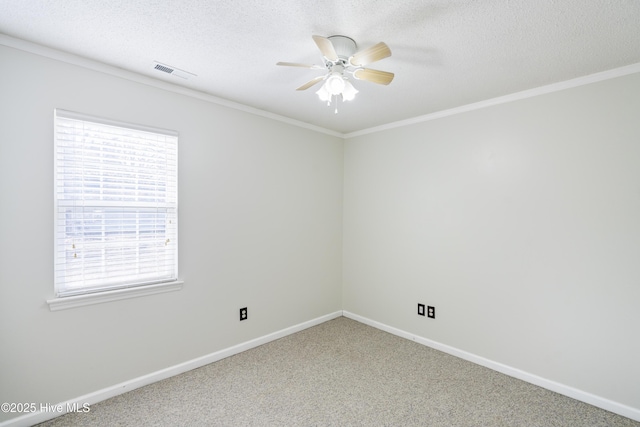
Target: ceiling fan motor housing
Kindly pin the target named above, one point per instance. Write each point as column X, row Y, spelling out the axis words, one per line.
column 344, row 46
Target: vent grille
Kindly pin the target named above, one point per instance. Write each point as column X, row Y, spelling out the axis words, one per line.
column 164, row 69
column 172, row 70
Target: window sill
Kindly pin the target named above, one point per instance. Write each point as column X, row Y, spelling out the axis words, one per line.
column 56, row 304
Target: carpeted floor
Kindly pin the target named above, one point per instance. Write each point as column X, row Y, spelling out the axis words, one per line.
column 342, row 373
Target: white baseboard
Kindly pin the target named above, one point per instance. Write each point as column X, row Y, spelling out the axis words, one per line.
column 106, row 393
column 591, row 399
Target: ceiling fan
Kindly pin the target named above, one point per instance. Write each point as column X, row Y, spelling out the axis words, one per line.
column 341, row 60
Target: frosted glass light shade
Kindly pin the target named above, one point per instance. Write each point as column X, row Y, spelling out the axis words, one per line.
column 323, row 93
column 349, row 92
column 335, row 84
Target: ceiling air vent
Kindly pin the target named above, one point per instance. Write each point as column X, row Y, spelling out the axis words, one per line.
column 164, row 69
column 172, row 70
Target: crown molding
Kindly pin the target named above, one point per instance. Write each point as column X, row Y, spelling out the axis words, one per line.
column 129, row 75
column 139, row 78
column 529, row 93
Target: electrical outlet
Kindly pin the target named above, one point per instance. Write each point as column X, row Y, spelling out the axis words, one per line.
column 431, row 312
column 420, row 309
column 243, row 314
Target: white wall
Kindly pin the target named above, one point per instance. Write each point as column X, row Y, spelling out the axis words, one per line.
column 520, row 223
column 260, row 208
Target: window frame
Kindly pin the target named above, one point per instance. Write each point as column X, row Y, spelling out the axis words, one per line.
column 164, row 204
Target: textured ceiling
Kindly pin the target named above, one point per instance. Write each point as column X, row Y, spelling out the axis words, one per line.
column 445, row 53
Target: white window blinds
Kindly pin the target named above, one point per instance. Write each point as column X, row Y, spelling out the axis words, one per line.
column 116, row 199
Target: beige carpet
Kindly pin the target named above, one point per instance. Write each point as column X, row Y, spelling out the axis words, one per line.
column 342, row 373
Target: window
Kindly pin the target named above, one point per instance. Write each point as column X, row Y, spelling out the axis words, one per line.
column 116, row 206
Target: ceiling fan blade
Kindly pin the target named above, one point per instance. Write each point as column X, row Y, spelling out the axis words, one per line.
column 295, row 64
column 371, row 54
column 310, row 83
column 326, row 47
column 374, row 76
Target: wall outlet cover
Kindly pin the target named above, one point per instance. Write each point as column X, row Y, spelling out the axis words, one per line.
column 243, row 314
column 431, row 312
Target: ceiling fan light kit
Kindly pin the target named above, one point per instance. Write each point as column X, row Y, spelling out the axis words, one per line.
column 335, row 82
column 341, row 60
